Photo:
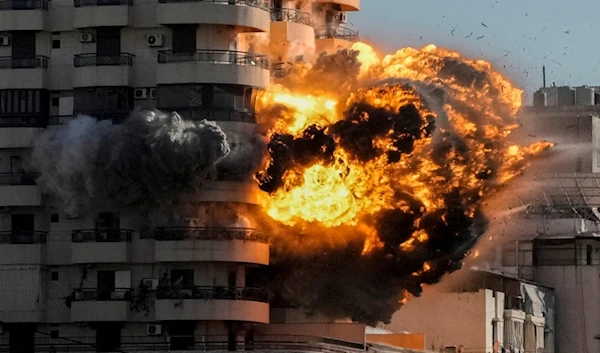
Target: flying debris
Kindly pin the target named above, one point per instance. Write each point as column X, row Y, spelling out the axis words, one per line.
column 484, row 25
column 376, row 179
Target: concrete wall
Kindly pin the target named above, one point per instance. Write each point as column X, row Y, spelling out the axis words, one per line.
column 344, row 332
column 448, row 319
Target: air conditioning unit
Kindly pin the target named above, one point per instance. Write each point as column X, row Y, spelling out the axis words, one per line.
column 150, row 283
column 87, row 37
column 4, row 40
column 343, row 17
column 152, row 93
column 154, row 40
column 154, row 330
column 140, row 93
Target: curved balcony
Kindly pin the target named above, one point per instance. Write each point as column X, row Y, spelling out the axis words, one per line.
column 100, row 305
column 92, row 70
column 23, row 15
column 246, row 15
column 290, row 15
column 212, row 304
column 336, row 32
column 19, row 189
column 346, row 5
column 22, row 247
column 211, row 244
column 213, row 66
column 23, row 73
column 100, row 245
column 102, row 13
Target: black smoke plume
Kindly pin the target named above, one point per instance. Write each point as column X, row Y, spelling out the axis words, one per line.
column 151, row 157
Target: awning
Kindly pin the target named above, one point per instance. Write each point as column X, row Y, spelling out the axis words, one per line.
column 534, row 301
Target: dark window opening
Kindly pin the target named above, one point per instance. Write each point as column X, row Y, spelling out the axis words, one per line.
column 20, row 338
column 106, row 284
column 108, row 41
column 113, row 103
column 588, row 255
column 24, row 107
column 22, row 226
column 54, row 275
column 107, row 227
column 232, row 279
column 182, row 335
column 55, row 43
column 54, row 334
column 55, row 101
column 23, row 44
column 54, row 218
column 184, row 39
column 182, row 278
column 108, row 337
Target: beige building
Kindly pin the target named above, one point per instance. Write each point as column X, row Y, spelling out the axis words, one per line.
column 104, row 281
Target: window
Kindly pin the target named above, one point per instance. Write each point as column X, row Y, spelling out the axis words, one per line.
column 30, row 102
column 182, row 278
column 98, row 100
column 54, row 275
column 108, row 337
column 20, row 338
column 54, row 334
column 179, row 96
column 105, row 284
column 107, row 227
column 588, row 255
column 23, row 44
column 182, row 335
column 108, row 41
column 22, row 226
column 55, row 43
column 54, row 218
column 55, row 101
column 184, row 39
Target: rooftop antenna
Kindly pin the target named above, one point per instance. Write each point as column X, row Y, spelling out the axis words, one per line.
column 544, row 75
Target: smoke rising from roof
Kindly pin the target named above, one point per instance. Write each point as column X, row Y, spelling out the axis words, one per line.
column 152, row 157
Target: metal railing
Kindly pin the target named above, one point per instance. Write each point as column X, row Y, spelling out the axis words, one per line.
column 20, row 178
column 16, row 120
column 228, row 57
column 338, row 32
column 262, row 4
column 95, row 294
column 60, row 119
column 93, row 59
column 209, row 233
column 101, row 235
column 87, row 3
column 213, row 343
column 23, row 237
column 7, row 5
column 213, row 293
column 34, row 62
column 290, row 15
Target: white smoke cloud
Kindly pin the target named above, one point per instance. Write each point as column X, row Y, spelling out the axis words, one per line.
column 153, row 156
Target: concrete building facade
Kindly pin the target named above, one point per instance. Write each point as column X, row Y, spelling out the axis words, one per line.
column 108, row 281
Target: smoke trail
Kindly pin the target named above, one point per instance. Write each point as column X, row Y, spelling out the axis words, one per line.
column 152, row 157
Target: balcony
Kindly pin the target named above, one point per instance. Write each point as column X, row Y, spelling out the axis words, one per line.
column 100, row 246
column 212, row 303
column 246, row 15
column 291, row 15
column 206, row 343
column 19, row 189
column 23, row 15
column 345, row 5
column 23, row 73
column 213, row 66
column 98, row 305
column 211, row 244
column 60, row 119
column 102, row 13
column 93, row 70
column 336, row 32
column 18, row 248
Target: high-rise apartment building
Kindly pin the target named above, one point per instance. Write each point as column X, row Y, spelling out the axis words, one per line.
column 113, row 280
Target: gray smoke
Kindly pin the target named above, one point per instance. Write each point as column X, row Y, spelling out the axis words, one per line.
column 152, row 157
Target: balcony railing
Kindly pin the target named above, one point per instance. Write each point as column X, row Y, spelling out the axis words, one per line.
column 337, row 32
column 101, row 235
column 227, row 57
column 213, row 293
column 23, row 237
column 195, row 343
column 34, row 62
column 212, row 233
column 10, row 120
column 263, row 4
column 60, row 119
column 21, row 178
column 93, row 59
column 87, row 3
column 290, row 15
column 7, row 5
column 95, row 294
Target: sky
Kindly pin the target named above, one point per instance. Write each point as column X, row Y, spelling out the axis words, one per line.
column 518, row 36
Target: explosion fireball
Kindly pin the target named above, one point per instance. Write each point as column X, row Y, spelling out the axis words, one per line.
column 378, row 167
